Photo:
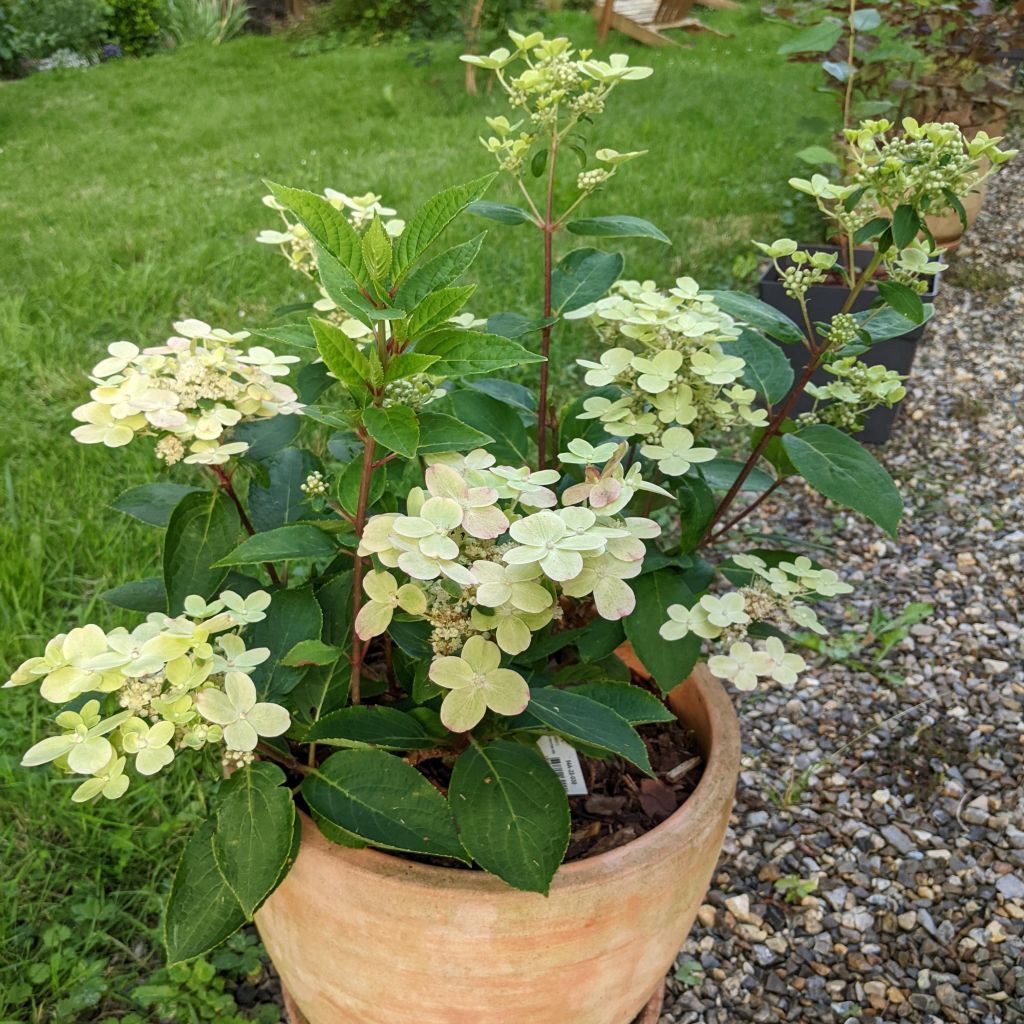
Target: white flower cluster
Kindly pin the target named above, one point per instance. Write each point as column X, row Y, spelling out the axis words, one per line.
column 178, row 688
column 855, row 391
column 488, row 554
column 773, row 597
column 190, row 391
column 554, row 86
column 682, row 380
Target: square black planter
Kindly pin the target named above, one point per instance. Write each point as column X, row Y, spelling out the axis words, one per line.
column 823, row 302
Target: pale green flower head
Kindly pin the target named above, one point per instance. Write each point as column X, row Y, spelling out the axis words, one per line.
column 480, row 517
column 742, row 666
column 531, row 487
column 555, row 540
column 659, row 373
column 385, row 595
column 785, row 668
column 614, row 362
column 604, row 577
column 582, row 453
column 616, row 69
column 149, row 744
column 513, row 628
column 676, row 452
column 83, row 743
column 779, row 248
column 682, row 621
column 495, row 60
column 515, row 585
column 614, row 157
column 477, row 684
column 725, row 611
column 110, row 782
column 243, row 719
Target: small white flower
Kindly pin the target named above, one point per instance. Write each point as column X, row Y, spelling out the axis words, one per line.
column 743, row 665
column 676, row 453
column 237, row 711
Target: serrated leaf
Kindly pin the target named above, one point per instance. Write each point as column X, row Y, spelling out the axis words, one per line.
column 438, row 272
column 668, row 661
column 584, row 276
column 343, row 358
column 750, row 310
column 433, row 217
column 841, row 469
column 383, row 801
column 202, row 529
column 371, row 726
column 512, row 812
column 636, row 706
column 342, row 288
column 377, row 250
column 466, row 353
column 441, row 433
column 293, row 335
column 437, row 308
column 768, row 370
column 503, row 213
column 515, row 325
column 395, row 427
column 408, row 364
column 588, row 722
column 285, row 544
column 617, row 227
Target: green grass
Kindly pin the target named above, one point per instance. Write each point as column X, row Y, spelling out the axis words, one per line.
column 131, row 198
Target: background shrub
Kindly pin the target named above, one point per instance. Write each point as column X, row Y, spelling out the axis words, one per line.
column 135, row 25
column 44, row 26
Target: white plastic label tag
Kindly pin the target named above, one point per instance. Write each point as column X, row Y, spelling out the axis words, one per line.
column 565, row 762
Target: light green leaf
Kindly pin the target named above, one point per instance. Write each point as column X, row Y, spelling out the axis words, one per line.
column 617, row 227
column 465, row 353
column 839, row 468
column 152, row 503
column 311, row 652
column 636, row 706
column 817, row 155
column 342, row 357
column 768, row 370
column 510, row 445
column 668, row 661
column 582, row 277
column 441, row 433
column 749, row 310
column 437, row 308
column 408, row 364
column 512, row 812
column 378, row 798
column 202, row 529
column 819, row 38
column 371, row 726
column 286, row 543
column 377, row 250
column 438, row 272
column 294, row 335
column 503, row 213
column 589, row 722
column 395, row 428
column 866, row 19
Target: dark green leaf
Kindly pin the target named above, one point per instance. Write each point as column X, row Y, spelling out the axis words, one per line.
column 539, row 162
column 152, row 503
column 348, row 487
column 512, row 812
column 839, row 468
column 396, row 428
column 589, row 722
column 293, row 616
column 903, row 300
column 600, row 638
column 720, row 475
column 506, row 391
column 146, row 595
column 335, row 599
column 582, row 277
column 342, row 289
column 441, row 433
column 438, row 272
column 768, row 370
column 888, row 323
column 437, row 309
column 299, row 540
column 503, row 213
column 905, row 225
column 749, row 310
column 515, row 325
column 636, row 706
column 510, row 445
column 668, row 661
column 282, row 500
column 202, row 529
column 264, row 437
column 874, row 227
column 378, row 798
column 696, row 507
column 464, row 353
column 371, row 726
column 954, row 201
column 617, row 227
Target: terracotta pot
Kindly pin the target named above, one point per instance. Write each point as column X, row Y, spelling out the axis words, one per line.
column 363, row 937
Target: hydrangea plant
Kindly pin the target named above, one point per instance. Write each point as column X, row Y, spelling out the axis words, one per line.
column 389, row 570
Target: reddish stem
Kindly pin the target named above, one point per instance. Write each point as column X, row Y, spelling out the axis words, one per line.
column 359, row 650
column 549, row 227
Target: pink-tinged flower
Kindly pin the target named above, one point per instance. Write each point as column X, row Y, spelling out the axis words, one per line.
column 480, row 517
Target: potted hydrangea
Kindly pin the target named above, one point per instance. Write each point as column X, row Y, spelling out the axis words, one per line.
column 457, row 643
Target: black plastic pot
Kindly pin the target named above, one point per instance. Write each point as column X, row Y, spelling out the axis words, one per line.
column 823, row 302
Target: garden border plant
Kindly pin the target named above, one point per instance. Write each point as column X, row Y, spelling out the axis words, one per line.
column 423, row 595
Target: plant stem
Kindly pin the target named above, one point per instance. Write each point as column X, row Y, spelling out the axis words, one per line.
column 850, row 69
column 548, row 227
column 358, row 649
column 225, row 482
column 746, row 512
column 283, row 759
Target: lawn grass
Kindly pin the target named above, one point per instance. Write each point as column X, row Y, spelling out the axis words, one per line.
column 131, row 198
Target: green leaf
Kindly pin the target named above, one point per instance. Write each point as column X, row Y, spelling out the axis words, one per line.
column 255, row 834
column 152, row 503
column 311, row 652
column 408, row 364
column 589, row 722
column 342, row 288
column 510, row 446
column 202, row 529
column 503, row 213
column 377, row 250
column 146, row 595
column 903, row 300
column 539, row 162
column 439, row 272
column 839, row 468
column 721, row 474
column 817, row 155
column 768, row 370
column 756, row 313
column 866, row 19
column 282, row 500
column 294, row 335
column 348, row 483
column 617, row 227
column 264, row 437
column 286, row 543
column 512, row 812
column 396, row 428
column 433, row 217
column 465, row 353
column 905, row 225
column 515, row 325
column 371, row 726
column 886, row 324
column 874, row 227
column 202, row 910
column 668, row 661
column 954, row 201
column 507, row 391
column 335, row 599
column 293, row 616
column 437, row 308
column 819, row 38
column 441, row 433
column 584, row 276
column 378, row 798
column 697, row 505
column 600, row 638
column 330, row 227
column 636, row 706
column 342, row 357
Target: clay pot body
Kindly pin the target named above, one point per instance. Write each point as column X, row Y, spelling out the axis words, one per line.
column 363, row 937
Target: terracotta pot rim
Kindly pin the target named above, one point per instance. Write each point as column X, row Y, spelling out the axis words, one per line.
column 673, row 831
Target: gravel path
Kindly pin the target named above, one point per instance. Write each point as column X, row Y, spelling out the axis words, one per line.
column 900, row 790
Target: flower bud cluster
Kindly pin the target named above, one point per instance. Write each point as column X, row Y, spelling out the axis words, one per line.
column 189, row 392
column 415, row 392
column 856, row 390
column 182, row 682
